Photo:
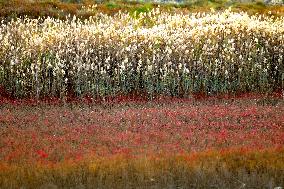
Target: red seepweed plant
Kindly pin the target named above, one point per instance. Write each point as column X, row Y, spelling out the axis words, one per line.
column 163, row 142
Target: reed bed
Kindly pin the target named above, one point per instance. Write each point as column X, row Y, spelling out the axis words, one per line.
column 149, row 53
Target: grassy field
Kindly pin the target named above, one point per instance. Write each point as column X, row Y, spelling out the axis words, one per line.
column 166, row 143
column 60, row 9
column 141, row 95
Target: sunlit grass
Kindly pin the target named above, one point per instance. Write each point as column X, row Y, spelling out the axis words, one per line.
column 232, row 169
column 150, row 52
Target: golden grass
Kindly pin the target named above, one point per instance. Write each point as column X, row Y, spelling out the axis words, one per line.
column 226, row 169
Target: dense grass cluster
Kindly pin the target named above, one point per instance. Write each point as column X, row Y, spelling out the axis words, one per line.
column 150, row 53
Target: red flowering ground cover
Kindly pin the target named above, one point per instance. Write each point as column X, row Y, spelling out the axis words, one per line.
column 55, row 134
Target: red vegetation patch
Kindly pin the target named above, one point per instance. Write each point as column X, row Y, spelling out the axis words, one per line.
column 167, row 142
column 57, row 133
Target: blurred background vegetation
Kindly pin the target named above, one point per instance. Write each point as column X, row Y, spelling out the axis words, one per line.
column 61, row 8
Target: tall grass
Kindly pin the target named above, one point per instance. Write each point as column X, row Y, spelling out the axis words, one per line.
column 149, row 53
column 205, row 170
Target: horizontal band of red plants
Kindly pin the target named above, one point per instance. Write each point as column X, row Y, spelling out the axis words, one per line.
column 58, row 133
column 137, row 98
column 225, row 143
